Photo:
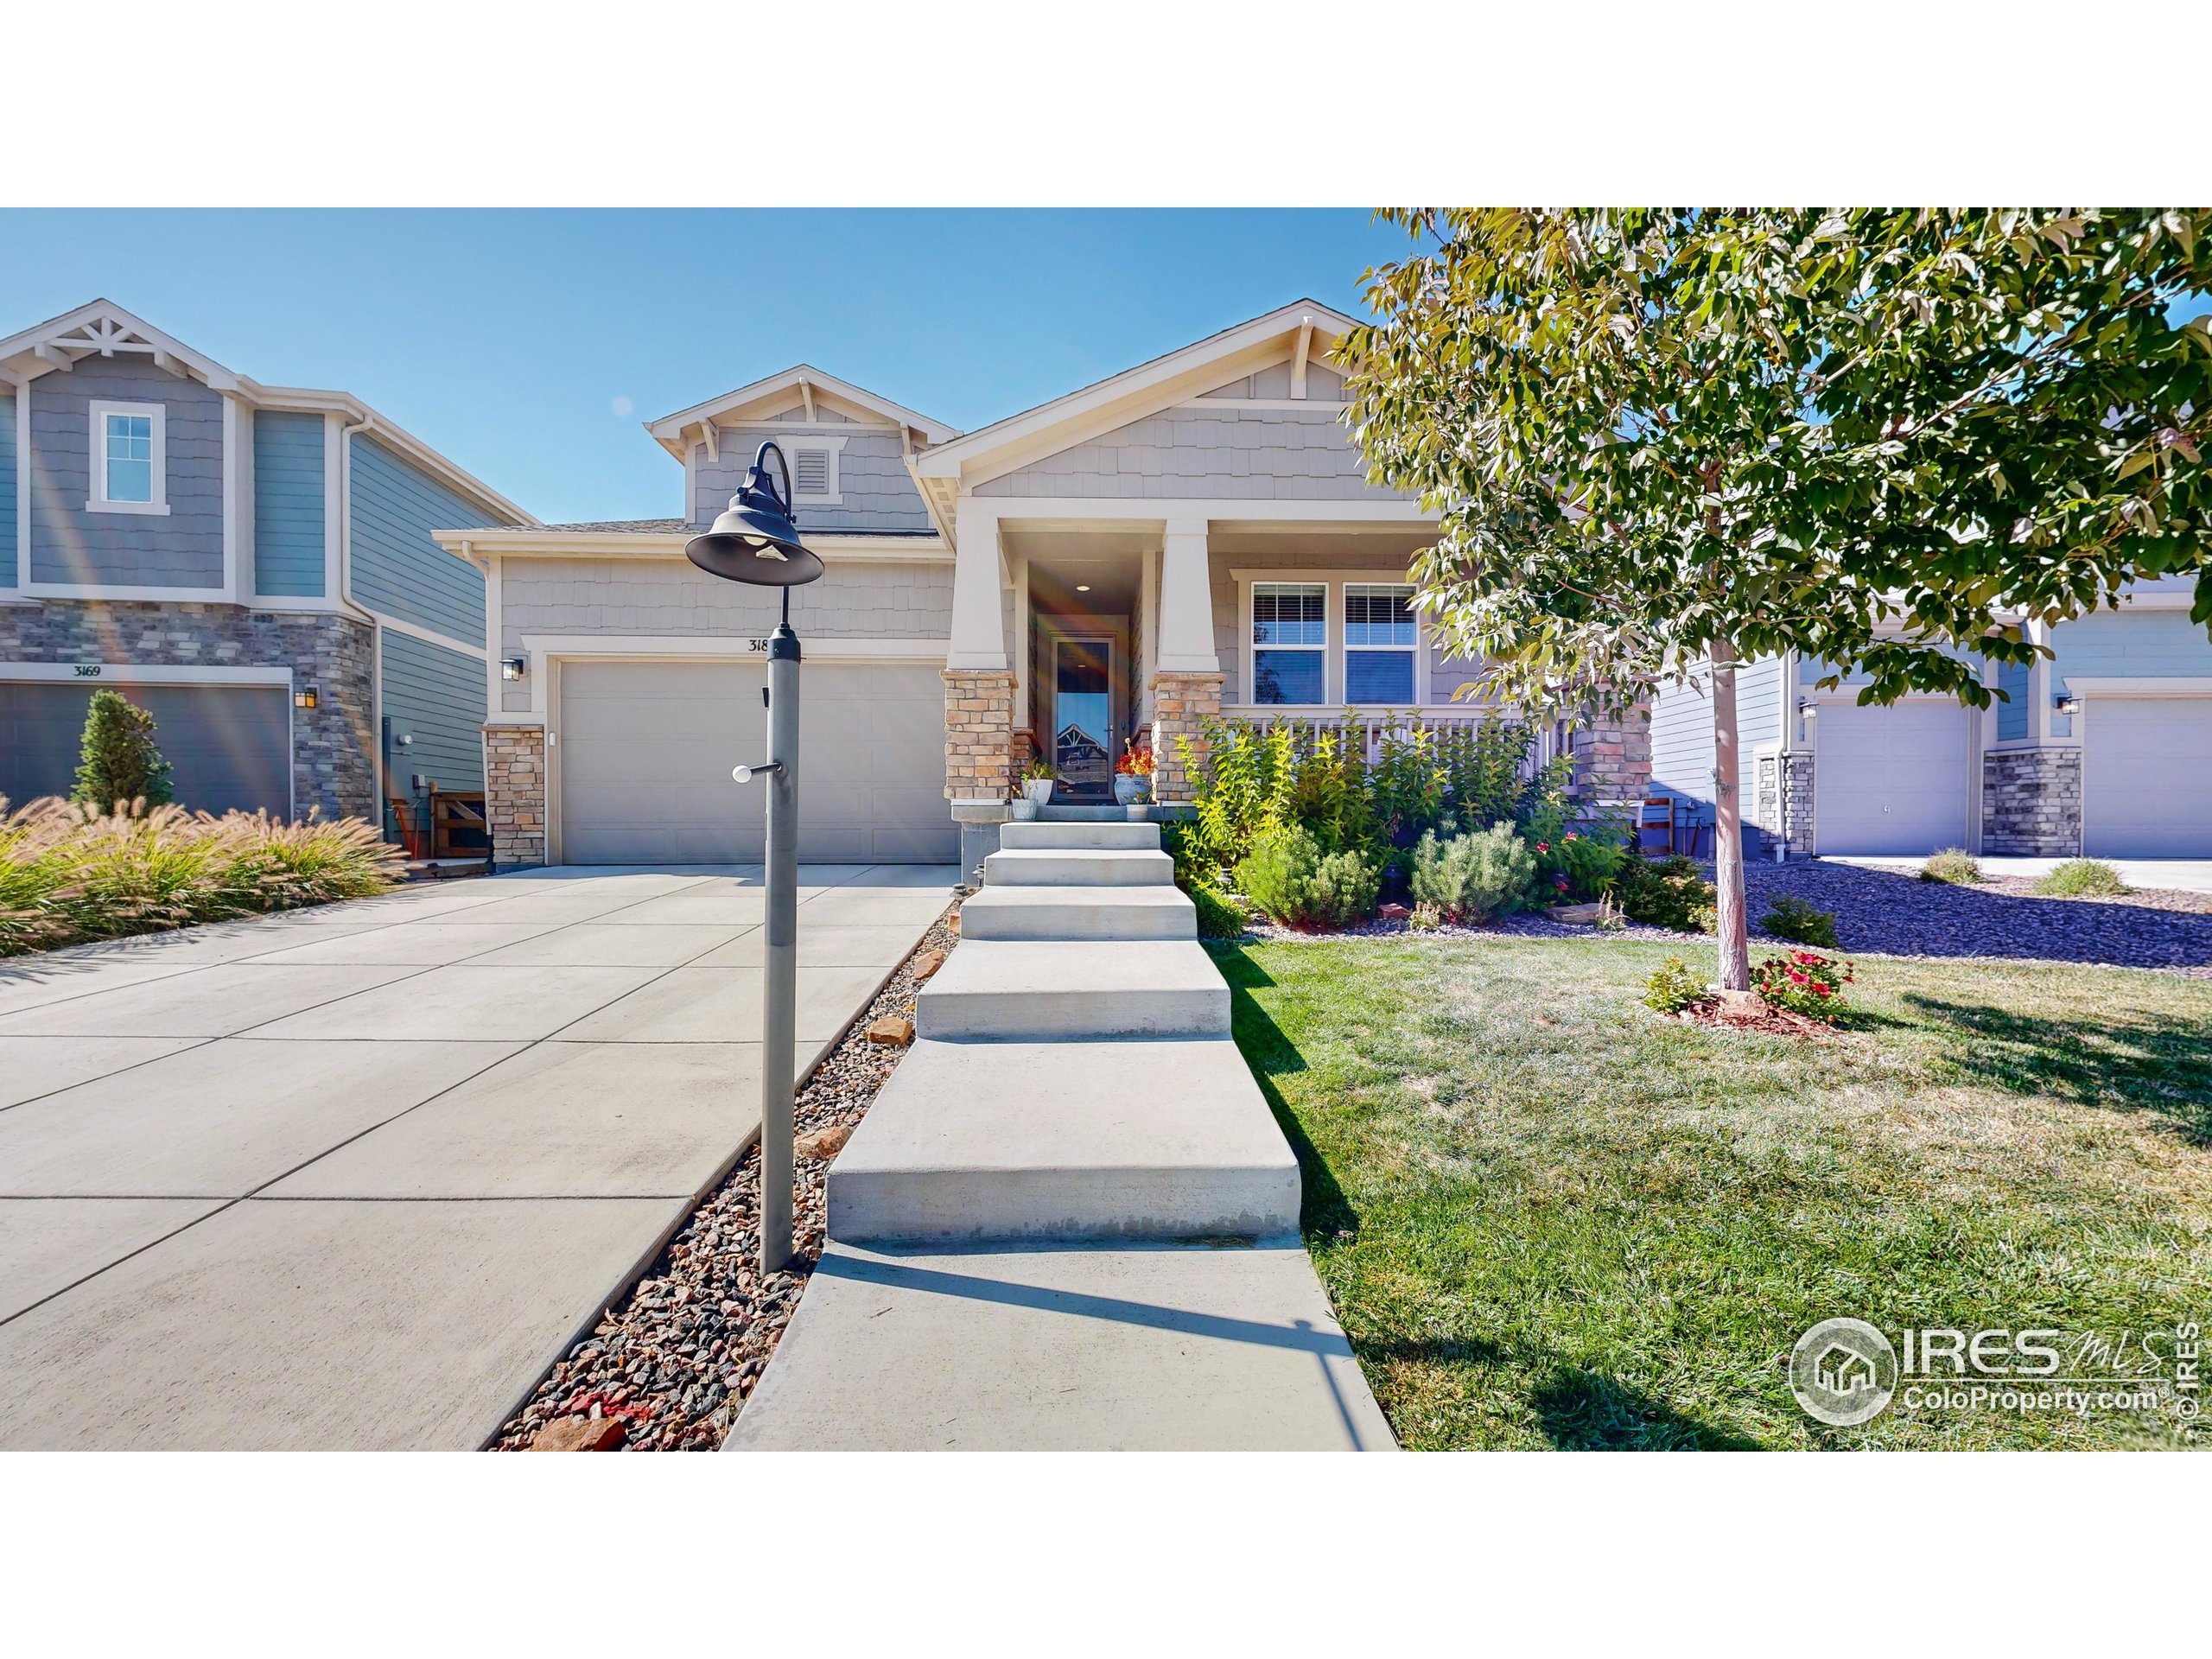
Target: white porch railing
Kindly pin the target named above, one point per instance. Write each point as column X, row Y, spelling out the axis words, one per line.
column 1553, row 738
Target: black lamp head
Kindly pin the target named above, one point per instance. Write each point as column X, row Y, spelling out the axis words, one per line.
column 755, row 541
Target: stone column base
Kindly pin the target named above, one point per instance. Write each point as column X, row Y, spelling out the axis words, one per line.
column 514, row 795
column 979, row 762
column 1782, row 804
column 1613, row 759
column 1183, row 703
column 2031, row 803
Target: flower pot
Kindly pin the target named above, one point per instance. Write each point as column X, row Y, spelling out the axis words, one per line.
column 1036, row 791
column 1131, row 789
column 1025, row 809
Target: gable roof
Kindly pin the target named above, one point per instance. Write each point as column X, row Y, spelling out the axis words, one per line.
column 1305, row 326
column 764, row 400
column 103, row 328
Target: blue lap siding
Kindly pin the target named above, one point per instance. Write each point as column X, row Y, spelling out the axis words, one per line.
column 288, row 504
column 436, row 696
column 397, row 568
column 7, row 492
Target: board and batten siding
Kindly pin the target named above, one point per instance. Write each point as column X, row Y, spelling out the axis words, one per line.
column 874, row 490
column 7, row 492
column 397, row 568
column 288, row 504
column 182, row 548
column 1207, row 449
column 436, row 696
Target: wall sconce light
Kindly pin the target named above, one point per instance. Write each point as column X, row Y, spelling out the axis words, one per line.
column 304, row 697
column 513, row 668
column 1807, row 708
column 2065, row 702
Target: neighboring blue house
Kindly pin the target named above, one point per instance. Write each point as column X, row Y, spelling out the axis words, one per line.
column 254, row 563
column 2102, row 749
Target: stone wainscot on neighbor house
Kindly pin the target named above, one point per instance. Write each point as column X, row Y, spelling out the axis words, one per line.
column 254, row 563
column 1195, row 536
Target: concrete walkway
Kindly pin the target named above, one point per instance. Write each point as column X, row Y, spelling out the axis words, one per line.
column 353, row 1178
column 1069, row 1221
column 2174, row 874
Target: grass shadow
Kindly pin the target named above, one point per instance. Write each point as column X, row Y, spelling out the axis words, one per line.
column 1582, row 1411
column 2163, row 1065
column 1324, row 1210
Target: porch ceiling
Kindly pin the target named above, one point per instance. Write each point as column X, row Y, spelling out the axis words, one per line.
column 1110, row 563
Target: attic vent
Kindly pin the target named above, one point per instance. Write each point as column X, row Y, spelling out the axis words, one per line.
column 811, row 472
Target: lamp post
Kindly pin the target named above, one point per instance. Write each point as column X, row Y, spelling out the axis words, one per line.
column 756, row 543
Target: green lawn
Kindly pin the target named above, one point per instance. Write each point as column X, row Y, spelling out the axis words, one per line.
column 1548, row 1217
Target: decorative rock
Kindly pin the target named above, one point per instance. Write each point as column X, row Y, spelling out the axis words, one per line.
column 927, row 963
column 1580, row 915
column 581, row 1434
column 1742, row 1003
column 893, row 1031
column 1394, row 913
column 823, row 1144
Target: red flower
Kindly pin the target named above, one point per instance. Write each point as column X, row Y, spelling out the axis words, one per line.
column 1543, row 846
column 1797, row 978
column 1570, row 835
column 1821, row 989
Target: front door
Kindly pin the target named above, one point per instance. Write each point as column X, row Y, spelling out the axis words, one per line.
column 1083, row 738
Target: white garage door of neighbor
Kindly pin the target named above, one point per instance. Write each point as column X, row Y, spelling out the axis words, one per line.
column 646, row 748
column 1891, row 780
column 2147, row 778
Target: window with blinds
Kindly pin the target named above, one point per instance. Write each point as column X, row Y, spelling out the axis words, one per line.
column 1290, row 629
column 1381, row 644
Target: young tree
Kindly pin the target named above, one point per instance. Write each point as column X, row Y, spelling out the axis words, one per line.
column 1883, row 439
column 117, row 759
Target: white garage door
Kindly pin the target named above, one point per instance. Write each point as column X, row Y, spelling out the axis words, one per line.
column 646, row 748
column 2147, row 777
column 1891, row 780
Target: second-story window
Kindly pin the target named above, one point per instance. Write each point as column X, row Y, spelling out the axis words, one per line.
column 1381, row 644
column 127, row 458
column 1290, row 636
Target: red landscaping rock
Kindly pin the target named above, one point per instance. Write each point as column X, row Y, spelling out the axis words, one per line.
column 581, row 1434
column 893, row 1031
column 823, row 1144
column 927, row 963
column 1394, row 913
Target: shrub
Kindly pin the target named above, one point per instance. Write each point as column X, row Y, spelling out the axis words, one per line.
column 1217, row 918
column 1954, row 865
column 69, row 873
column 1473, row 878
column 1674, row 895
column 2082, row 878
column 1672, row 986
column 117, row 761
column 1796, row 920
column 1804, row 982
column 1426, row 919
column 1289, row 876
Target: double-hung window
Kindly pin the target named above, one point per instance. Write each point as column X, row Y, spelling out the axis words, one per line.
column 1381, row 644
column 1290, row 637
column 127, row 460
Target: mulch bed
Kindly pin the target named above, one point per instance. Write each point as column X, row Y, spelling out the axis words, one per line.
column 672, row 1361
column 1754, row 1014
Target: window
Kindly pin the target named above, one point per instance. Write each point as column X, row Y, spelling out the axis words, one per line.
column 128, row 462
column 1381, row 644
column 1289, row 632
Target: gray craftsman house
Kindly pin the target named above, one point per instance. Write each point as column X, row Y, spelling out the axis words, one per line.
column 254, row 563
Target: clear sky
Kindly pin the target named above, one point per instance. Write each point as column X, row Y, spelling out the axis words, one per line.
column 528, row 345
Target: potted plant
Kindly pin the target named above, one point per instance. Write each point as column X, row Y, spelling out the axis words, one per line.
column 1037, row 782
column 1024, row 809
column 1133, row 776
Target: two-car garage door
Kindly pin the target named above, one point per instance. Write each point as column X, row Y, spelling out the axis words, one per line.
column 644, row 750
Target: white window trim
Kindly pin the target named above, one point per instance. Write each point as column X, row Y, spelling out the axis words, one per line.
column 792, row 443
column 1332, row 674
column 98, row 500
column 1414, row 650
column 1331, row 625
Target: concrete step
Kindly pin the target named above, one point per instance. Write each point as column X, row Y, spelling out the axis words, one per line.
column 1124, row 1138
column 1048, row 866
column 1130, row 1348
column 1125, row 836
column 1110, row 814
column 1079, row 913
column 1061, row 989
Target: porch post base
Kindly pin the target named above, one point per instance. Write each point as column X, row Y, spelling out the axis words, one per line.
column 978, row 733
column 1182, row 703
column 514, row 795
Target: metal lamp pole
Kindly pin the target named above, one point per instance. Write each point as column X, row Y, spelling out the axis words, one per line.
column 755, row 542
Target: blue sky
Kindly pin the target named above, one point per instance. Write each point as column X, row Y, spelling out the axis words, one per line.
column 505, row 337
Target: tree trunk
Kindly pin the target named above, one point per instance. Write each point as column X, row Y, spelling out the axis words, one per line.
column 1728, row 824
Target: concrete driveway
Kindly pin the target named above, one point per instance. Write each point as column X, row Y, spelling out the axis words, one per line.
column 2174, row 874
column 353, row 1178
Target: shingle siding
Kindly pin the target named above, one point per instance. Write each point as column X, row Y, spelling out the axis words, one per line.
column 436, row 696
column 397, row 568
column 181, row 548
column 874, row 489
column 1202, row 451
column 288, row 504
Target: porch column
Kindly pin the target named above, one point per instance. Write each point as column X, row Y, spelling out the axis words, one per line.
column 978, row 684
column 1187, row 679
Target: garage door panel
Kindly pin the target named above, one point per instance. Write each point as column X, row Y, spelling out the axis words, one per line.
column 2147, row 777
column 646, row 750
column 228, row 747
column 1892, row 780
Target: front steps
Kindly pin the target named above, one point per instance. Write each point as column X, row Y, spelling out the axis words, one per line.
column 1070, row 1219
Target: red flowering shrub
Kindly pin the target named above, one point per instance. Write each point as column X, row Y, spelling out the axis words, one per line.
column 1804, row 982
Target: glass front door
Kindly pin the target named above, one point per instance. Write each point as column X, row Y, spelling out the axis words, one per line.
column 1082, row 716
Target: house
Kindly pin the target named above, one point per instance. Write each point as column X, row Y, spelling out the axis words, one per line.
column 2102, row 750
column 251, row 563
column 1196, row 535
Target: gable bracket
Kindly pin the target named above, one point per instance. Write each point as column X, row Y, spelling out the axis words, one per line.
column 1298, row 360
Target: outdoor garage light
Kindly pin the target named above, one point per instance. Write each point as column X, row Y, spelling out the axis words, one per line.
column 304, row 697
column 756, row 543
column 513, row 668
column 2065, row 702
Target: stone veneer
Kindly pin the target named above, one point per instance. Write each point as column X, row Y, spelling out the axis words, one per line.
column 2031, row 801
column 979, row 763
column 1612, row 759
column 334, row 770
column 514, row 795
column 1182, row 703
column 1782, row 800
